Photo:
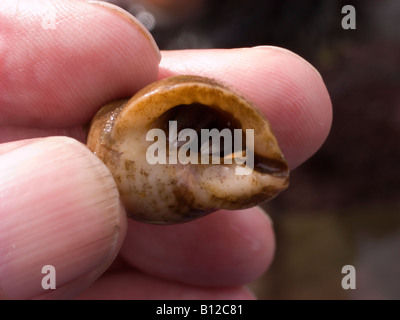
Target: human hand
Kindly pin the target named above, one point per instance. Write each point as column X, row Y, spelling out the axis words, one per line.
column 59, row 204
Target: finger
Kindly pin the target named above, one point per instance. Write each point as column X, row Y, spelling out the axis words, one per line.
column 57, row 74
column 286, row 88
column 59, row 207
column 128, row 286
column 223, row 249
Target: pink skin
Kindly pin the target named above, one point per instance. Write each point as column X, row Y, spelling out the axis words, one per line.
column 58, row 202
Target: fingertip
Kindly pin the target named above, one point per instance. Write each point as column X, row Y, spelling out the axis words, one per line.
column 87, row 56
column 299, row 101
column 131, row 19
column 62, row 209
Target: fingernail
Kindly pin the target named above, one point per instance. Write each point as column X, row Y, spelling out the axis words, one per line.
column 130, row 18
column 60, row 216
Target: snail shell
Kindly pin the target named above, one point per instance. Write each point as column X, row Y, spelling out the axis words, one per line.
column 167, row 177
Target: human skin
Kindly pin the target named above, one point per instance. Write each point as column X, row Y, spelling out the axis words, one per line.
column 58, row 202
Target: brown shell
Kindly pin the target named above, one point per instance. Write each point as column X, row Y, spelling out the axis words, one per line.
column 173, row 193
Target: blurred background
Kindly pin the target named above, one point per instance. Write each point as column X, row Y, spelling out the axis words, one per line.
column 343, row 206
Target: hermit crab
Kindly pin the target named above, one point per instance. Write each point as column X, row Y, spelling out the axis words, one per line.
column 186, row 146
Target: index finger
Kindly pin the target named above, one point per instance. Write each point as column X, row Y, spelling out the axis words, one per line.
column 285, row 87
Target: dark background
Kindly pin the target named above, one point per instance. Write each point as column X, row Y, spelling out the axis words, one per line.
column 343, row 205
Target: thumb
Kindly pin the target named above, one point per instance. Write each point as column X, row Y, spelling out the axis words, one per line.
column 59, row 207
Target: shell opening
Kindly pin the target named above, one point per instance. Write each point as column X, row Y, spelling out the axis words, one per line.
column 202, row 120
column 198, row 117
